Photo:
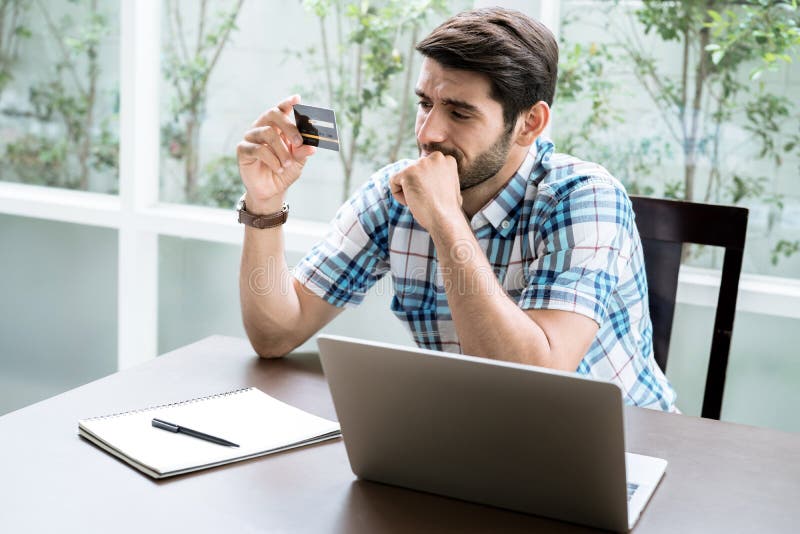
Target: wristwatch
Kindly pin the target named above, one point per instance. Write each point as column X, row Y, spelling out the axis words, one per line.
column 270, row 220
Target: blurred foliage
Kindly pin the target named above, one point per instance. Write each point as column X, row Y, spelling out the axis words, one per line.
column 13, row 30
column 40, row 160
column 582, row 76
column 784, row 249
column 363, row 48
column 723, row 48
column 75, row 142
column 764, row 29
column 220, row 185
column 187, row 68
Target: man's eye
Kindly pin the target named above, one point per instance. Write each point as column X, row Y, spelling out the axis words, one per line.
column 424, row 105
column 460, row 116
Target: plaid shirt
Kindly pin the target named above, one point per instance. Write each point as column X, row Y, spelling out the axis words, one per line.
column 560, row 235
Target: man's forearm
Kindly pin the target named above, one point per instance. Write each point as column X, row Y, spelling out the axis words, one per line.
column 487, row 321
column 270, row 307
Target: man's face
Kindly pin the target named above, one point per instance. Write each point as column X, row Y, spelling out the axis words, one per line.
column 457, row 116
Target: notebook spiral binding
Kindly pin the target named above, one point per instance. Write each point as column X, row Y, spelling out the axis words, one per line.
column 170, row 404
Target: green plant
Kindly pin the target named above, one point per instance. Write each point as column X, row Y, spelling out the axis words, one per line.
column 696, row 107
column 582, row 77
column 723, row 49
column 220, row 185
column 188, row 70
column 13, row 15
column 364, row 46
column 784, row 248
column 40, row 160
column 767, row 29
column 70, row 100
column 586, row 90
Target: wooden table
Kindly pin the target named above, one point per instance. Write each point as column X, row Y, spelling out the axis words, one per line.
column 721, row 477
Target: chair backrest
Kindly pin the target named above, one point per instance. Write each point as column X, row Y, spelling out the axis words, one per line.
column 664, row 226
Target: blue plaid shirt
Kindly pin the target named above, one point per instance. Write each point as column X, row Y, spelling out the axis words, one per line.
column 560, row 235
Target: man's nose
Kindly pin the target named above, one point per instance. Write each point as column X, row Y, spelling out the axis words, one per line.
column 433, row 128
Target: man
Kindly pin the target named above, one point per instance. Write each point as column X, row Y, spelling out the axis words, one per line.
column 498, row 247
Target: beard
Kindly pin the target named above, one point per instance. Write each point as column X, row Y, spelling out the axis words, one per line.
column 486, row 165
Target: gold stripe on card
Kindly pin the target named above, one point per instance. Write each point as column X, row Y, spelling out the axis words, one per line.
column 320, row 138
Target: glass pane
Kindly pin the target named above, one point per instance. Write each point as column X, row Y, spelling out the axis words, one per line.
column 58, row 314
column 674, row 108
column 264, row 55
column 198, row 291
column 763, row 370
column 198, row 296
column 59, row 93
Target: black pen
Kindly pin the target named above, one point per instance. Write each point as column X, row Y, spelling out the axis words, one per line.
column 169, row 427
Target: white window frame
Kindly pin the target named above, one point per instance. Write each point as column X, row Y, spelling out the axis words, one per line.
column 139, row 217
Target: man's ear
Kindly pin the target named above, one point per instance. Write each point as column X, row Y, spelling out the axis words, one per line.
column 532, row 122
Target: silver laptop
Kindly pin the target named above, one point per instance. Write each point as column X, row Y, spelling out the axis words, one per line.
column 514, row 436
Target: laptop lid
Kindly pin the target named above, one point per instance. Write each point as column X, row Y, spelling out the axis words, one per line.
column 514, row 436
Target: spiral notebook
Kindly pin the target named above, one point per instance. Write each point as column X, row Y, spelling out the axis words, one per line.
column 258, row 423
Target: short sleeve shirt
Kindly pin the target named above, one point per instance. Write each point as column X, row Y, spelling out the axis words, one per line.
column 559, row 235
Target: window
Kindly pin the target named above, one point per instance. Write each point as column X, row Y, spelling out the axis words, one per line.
column 630, row 97
column 164, row 254
column 223, row 53
column 59, row 94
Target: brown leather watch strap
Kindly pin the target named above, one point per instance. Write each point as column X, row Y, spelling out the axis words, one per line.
column 264, row 221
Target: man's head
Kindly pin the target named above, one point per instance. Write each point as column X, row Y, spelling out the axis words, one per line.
column 517, row 53
column 485, row 69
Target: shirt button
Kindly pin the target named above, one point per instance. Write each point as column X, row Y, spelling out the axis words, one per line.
column 505, row 224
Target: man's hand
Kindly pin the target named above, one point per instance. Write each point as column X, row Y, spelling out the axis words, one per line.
column 271, row 157
column 431, row 190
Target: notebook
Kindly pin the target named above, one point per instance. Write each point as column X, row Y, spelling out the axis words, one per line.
column 258, row 423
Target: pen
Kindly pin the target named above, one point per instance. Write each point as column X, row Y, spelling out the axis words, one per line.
column 170, row 427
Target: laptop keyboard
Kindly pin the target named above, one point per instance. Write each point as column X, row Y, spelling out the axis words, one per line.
column 632, row 489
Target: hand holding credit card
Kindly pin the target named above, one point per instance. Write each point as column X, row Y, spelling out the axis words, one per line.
column 274, row 150
column 317, row 126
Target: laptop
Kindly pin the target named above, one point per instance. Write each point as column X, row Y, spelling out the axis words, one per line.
column 514, row 436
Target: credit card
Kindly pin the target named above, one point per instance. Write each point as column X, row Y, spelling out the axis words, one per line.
column 317, row 126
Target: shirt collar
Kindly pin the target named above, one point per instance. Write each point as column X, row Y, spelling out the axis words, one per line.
column 500, row 210
column 544, row 150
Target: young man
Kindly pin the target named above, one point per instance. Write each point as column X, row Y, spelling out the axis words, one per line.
column 497, row 246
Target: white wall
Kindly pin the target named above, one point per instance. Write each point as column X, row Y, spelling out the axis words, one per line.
column 58, row 303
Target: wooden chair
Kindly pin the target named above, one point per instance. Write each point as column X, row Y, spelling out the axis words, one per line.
column 664, row 226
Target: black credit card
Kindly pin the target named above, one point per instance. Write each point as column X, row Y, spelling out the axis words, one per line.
column 317, row 126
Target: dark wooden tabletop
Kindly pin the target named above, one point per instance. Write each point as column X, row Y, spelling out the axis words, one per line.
column 721, row 477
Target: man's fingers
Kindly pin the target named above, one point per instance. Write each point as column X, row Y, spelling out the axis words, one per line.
column 270, row 136
column 282, row 118
column 400, row 197
column 284, row 108
column 277, row 119
column 286, row 105
column 396, row 183
column 396, row 187
column 302, row 153
column 252, row 152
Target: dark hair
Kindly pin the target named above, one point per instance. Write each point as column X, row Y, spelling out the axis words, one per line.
column 518, row 54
